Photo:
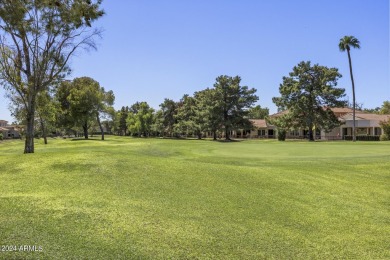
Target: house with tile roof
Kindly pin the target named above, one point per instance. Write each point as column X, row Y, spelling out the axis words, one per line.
column 9, row 131
column 367, row 125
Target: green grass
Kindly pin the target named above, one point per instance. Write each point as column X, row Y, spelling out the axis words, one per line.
column 130, row 198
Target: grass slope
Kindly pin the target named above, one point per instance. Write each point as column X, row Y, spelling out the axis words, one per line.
column 151, row 198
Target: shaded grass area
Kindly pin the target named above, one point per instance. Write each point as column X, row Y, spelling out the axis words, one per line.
column 129, row 198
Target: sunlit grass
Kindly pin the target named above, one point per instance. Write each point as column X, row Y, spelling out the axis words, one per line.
column 152, row 198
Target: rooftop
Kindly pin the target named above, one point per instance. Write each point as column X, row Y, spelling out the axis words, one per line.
column 260, row 123
column 366, row 116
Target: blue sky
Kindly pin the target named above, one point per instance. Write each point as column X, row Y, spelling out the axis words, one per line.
column 153, row 50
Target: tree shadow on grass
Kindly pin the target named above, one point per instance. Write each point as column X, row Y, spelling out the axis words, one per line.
column 228, row 141
column 89, row 139
column 203, row 139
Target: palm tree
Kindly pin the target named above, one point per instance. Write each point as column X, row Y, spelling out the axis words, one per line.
column 345, row 44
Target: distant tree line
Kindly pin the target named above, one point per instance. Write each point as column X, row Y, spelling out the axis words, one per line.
column 225, row 107
column 71, row 107
column 82, row 107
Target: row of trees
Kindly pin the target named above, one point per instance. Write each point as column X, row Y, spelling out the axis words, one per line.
column 82, row 105
column 69, row 107
column 39, row 37
column 226, row 106
column 307, row 94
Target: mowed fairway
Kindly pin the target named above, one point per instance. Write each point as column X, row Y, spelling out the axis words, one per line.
column 128, row 198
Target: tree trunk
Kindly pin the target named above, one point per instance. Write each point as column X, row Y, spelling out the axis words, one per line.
column 199, row 135
column 311, row 136
column 353, row 97
column 29, row 143
column 227, row 134
column 43, row 130
column 100, row 126
column 214, row 135
column 85, row 128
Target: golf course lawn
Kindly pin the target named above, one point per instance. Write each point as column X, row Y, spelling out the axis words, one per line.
column 127, row 198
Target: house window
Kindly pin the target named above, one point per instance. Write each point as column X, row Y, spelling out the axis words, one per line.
column 261, row 132
column 294, row 133
column 361, row 131
column 378, row 131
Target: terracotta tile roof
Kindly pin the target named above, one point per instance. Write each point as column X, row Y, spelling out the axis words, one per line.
column 260, row 123
column 339, row 111
column 367, row 116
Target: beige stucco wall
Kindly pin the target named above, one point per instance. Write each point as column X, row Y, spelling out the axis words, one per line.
column 336, row 132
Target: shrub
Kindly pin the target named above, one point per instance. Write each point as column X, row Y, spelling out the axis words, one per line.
column 386, row 127
column 281, row 134
column 1, row 136
column 362, row 137
column 384, row 137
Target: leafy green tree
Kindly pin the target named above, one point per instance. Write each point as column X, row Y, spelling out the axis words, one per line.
column 208, row 113
column 283, row 123
column 104, row 106
column 168, row 116
column 158, row 126
column 385, row 109
column 122, row 116
column 185, row 116
column 63, row 117
column 141, row 120
column 39, row 38
column 46, row 113
column 345, row 44
column 134, row 108
column 234, row 101
column 308, row 94
column 82, row 101
column 372, row 110
column 258, row 112
column 386, row 130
